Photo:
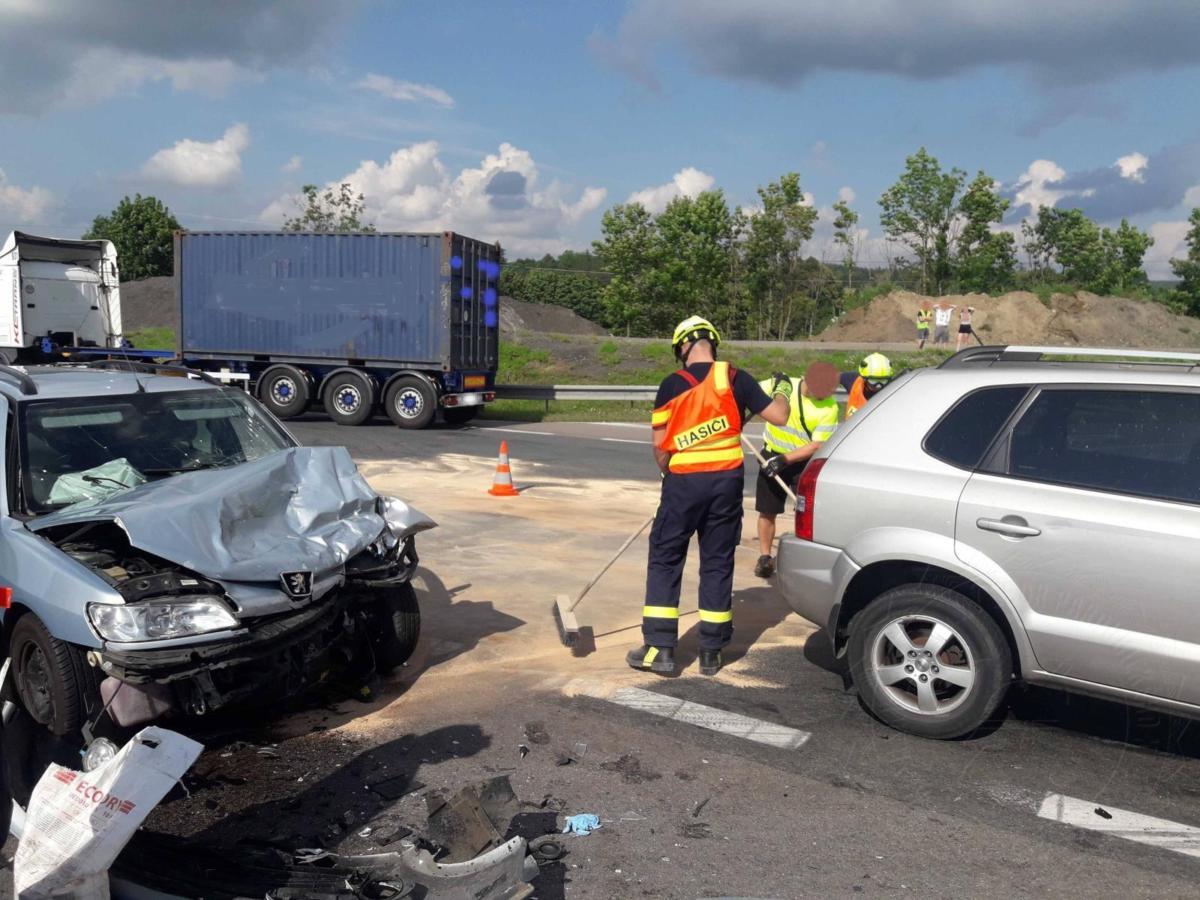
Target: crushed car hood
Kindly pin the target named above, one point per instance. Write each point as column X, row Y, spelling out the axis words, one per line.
column 305, row 508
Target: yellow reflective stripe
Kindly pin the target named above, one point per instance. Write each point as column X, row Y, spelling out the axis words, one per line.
column 720, row 443
column 716, row 618
column 721, row 376
column 825, row 430
column 660, row 612
column 660, row 417
column 691, row 457
column 650, row 656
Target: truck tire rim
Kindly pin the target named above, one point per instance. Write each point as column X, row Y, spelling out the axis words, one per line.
column 347, row 399
column 34, row 684
column 409, row 403
column 283, row 390
column 922, row 665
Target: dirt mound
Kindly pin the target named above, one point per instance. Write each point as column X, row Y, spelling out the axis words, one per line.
column 149, row 303
column 517, row 316
column 1080, row 319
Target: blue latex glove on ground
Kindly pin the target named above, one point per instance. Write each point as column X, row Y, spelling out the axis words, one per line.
column 582, row 824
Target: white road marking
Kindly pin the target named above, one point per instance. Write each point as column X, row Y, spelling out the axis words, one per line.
column 1131, row 826
column 623, row 441
column 701, row 716
column 519, row 431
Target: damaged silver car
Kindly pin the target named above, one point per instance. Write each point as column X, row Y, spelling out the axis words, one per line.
column 172, row 550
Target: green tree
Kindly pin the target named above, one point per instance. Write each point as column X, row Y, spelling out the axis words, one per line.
column 696, row 239
column 918, row 211
column 629, row 248
column 142, row 230
column 1124, row 250
column 772, row 255
column 1187, row 270
column 985, row 259
column 845, row 234
column 331, row 210
column 1098, row 259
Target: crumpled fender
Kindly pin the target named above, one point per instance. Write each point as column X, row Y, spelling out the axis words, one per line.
column 403, row 519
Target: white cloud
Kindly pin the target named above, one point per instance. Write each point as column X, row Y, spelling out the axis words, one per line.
column 687, row 182
column 500, row 199
column 807, row 199
column 1133, row 166
column 292, row 165
column 199, row 164
column 1032, row 187
column 407, row 91
column 846, row 194
column 1191, row 197
column 23, row 204
column 1169, row 243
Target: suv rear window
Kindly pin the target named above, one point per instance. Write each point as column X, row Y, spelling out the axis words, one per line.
column 968, row 429
column 1126, row 441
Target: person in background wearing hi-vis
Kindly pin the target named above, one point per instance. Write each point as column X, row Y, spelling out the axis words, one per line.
column 924, row 317
column 697, row 421
column 787, row 448
column 874, row 372
column 964, row 326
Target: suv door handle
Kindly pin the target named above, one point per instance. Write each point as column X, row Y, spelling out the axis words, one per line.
column 1011, row 526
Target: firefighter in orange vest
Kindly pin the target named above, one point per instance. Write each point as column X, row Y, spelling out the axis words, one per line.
column 874, row 373
column 697, row 420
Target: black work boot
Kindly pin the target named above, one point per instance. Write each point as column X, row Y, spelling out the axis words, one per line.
column 710, row 662
column 765, row 567
column 653, row 659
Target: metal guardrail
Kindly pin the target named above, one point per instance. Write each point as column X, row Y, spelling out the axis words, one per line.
column 548, row 392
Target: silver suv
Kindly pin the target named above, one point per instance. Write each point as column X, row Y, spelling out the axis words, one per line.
column 1025, row 513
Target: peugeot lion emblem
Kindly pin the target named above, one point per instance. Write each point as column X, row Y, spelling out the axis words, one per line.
column 297, row 585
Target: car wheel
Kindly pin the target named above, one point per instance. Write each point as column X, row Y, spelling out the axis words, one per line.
column 410, row 402
column 459, row 415
column 928, row 661
column 349, row 398
column 397, row 627
column 52, row 678
column 284, row 391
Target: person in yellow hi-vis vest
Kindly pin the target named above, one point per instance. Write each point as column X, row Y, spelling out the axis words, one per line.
column 814, row 416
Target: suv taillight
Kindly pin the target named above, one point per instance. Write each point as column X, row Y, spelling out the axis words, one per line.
column 806, row 495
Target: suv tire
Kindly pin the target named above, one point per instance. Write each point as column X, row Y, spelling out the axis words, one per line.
column 284, row 391
column 397, row 627
column 911, row 688
column 51, row 677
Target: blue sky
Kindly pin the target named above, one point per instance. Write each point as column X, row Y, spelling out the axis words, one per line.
column 522, row 122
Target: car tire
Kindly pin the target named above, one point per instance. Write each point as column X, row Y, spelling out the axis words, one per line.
column 51, row 677
column 284, row 391
column 945, row 692
column 397, row 621
column 459, row 415
column 410, row 402
column 349, row 397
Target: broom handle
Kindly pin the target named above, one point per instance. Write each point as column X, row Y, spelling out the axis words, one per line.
column 625, row 546
column 763, row 462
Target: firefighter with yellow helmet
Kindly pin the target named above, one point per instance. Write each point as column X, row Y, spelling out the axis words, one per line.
column 874, row 372
column 697, row 421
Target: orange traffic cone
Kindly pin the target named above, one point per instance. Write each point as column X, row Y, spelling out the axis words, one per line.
column 502, row 484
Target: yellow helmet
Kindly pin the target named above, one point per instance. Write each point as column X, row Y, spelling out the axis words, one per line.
column 694, row 328
column 876, row 367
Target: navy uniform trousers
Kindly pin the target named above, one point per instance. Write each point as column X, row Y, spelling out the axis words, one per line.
column 709, row 505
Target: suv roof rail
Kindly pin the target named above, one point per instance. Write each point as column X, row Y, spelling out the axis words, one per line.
column 21, row 377
column 137, row 366
column 989, row 355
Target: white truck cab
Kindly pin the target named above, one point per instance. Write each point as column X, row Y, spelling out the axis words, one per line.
column 65, row 291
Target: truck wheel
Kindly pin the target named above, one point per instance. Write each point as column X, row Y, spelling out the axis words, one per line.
column 349, row 398
column 52, row 678
column 410, row 402
column 398, row 627
column 284, row 391
column 928, row 661
column 459, row 415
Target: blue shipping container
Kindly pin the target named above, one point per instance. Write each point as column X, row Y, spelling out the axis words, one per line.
column 420, row 300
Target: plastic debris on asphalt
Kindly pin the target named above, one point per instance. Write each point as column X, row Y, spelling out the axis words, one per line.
column 582, row 824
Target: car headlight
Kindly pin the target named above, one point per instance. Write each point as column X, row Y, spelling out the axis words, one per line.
column 156, row 620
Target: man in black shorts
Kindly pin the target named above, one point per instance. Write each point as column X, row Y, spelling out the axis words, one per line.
column 814, row 416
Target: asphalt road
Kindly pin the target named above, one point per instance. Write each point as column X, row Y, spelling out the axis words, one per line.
column 768, row 781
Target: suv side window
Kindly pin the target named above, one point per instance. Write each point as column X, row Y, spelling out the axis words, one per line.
column 1140, row 442
column 968, row 429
